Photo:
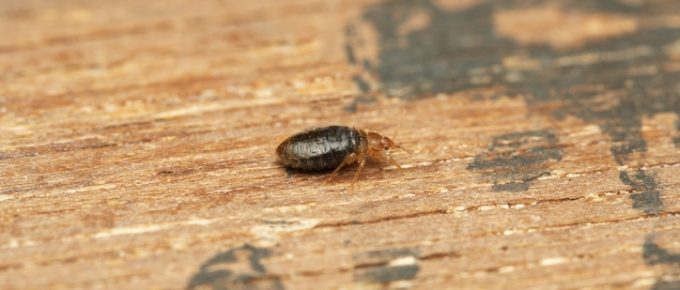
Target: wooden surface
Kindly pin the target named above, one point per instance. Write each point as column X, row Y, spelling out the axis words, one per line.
column 137, row 144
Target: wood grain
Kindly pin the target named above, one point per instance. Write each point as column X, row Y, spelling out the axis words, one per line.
column 137, row 144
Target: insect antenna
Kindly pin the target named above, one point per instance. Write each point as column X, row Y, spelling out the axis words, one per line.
column 401, row 121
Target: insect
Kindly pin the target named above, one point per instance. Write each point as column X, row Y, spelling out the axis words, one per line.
column 333, row 147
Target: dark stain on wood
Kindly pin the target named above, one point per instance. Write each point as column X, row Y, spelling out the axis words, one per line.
column 461, row 50
column 645, row 196
column 354, row 105
column 653, row 254
column 381, row 266
column 515, row 160
column 226, row 271
column 666, row 285
column 676, row 138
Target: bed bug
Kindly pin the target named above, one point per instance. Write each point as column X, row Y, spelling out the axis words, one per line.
column 333, row 147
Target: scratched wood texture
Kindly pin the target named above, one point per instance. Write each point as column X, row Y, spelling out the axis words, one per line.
column 137, row 144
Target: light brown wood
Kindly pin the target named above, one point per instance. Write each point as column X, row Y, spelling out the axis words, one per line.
column 137, row 144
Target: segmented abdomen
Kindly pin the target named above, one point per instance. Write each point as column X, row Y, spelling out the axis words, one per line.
column 319, row 148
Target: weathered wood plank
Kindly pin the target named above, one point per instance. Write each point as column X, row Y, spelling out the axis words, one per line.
column 138, row 140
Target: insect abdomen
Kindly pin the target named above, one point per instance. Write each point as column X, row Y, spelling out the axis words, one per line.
column 320, row 148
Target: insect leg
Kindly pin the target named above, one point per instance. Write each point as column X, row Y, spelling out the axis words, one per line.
column 392, row 161
column 348, row 160
column 362, row 162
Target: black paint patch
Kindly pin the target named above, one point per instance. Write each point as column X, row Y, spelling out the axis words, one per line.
column 350, row 33
column 383, row 255
column 362, row 84
column 444, row 57
column 613, row 82
column 645, row 196
column 238, row 268
column 386, row 274
column 513, row 161
column 354, row 105
column 460, row 49
column 676, row 139
column 382, row 266
column 666, row 285
column 653, row 254
column 349, row 52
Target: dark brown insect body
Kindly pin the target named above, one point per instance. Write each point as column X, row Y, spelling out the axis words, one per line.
column 333, row 147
